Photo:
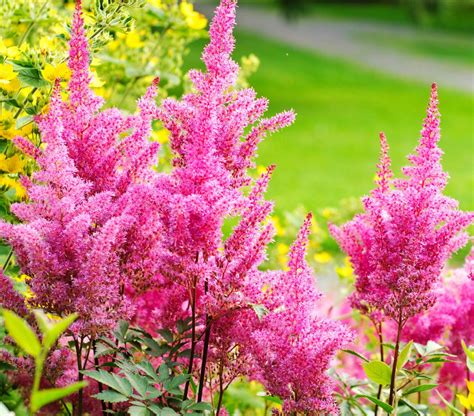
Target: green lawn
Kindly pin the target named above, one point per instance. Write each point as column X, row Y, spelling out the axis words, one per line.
column 331, row 151
column 457, row 49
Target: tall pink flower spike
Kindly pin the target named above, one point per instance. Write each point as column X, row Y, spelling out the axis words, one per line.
column 214, row 133
column 89, row 221
column 409, row 229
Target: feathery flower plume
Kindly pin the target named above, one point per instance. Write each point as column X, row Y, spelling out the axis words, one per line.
column 214, row 134
column 89, row 222
column 294, row 344
column 400, row 244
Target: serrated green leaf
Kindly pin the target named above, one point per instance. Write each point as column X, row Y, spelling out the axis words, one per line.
column 163, row 372
column 138, row 411
column 380, row 403
column 378, row 372
column 139, row 383
column 168, row 411
column 110, row 396
column 21, row 333
column 421, row 387
column 404, row 355
column 148, row 369
column 44, row 397
column 111, row 380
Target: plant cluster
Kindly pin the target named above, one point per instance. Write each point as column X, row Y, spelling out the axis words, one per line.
column 146, row 290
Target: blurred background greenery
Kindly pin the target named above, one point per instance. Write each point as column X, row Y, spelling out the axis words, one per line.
column 330, row 152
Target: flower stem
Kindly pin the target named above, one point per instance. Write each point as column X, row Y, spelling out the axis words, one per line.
column 204, row 357
column 193, row 339
column 80, row 376
column 221, row 388
column 391, row 398
column 380, row 335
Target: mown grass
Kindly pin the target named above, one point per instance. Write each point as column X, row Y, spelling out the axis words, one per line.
column 331, row 151
column 457, row 49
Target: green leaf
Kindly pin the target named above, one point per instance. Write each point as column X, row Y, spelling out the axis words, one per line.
column 139, row 383
column 168, row 411
column 43, row 397
column 378, row 372
column 467, row 350
column 380, row 403
column 138, row 411
column 164, row 372
column 32, row 77
column 421, row 387
column 22, row 333
column 55, row 331
column 110, row 396
column 148, row 369
column 166, row 334
column 260, row 310
column 455, row 410
column 357, row 355
column 200, row 406
column 404, row 355
column 111, row 380
column 432, row 346
column 469, row 356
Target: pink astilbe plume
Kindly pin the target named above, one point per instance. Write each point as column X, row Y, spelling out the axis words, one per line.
column 400, row 244
column 214, row 134
column 89, row 222
column 294, row 344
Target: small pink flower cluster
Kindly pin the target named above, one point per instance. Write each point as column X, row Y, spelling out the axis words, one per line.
column 409, row 229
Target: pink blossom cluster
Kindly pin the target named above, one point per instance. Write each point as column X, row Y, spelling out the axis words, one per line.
column 88, row 229
column 105, row 236
column 294, row 345
column 408, row 231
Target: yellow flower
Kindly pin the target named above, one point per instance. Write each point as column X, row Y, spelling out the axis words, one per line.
column 323, row 257
column 132, row 40
column 6, row 74
column 280, row 231
column 155, row 3
column 161, row 136
column 52, row 73
column 22, row 278
column 7, row 125
column 113, row 45
column 250, row 63
column 10, row 183
column 470, row 386
column 346, row 270
column 96, row 82
column 282, row 248
column 466, row 401
column 7, row 50
column 328, row 213
column 12, row 85
column 13, row 164
column 193, row 19
column 47, row 43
